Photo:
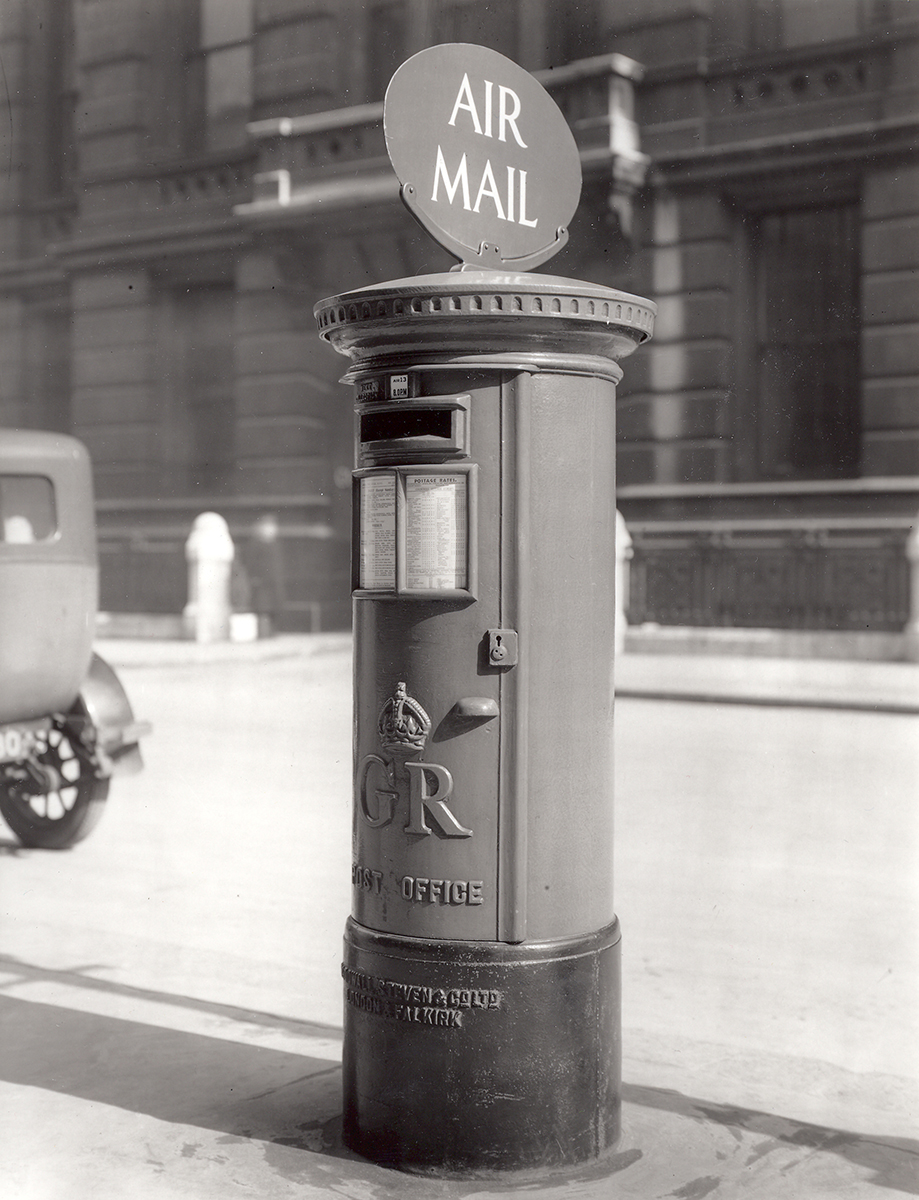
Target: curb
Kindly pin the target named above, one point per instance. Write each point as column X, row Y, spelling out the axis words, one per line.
column 841, row 704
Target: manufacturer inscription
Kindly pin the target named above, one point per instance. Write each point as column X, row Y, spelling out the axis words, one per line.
column 444, row 1007
column 368, row 389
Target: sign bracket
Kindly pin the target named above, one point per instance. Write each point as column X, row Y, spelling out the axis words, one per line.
column 488, row 255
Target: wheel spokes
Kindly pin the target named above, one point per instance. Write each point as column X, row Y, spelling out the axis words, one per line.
column 58, row 754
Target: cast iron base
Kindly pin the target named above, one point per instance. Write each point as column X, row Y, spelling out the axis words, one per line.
column 475, row 1058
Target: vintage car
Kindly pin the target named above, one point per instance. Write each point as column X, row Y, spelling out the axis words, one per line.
column 65, row 721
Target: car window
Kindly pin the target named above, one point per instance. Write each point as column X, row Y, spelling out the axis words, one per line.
column 27, row 509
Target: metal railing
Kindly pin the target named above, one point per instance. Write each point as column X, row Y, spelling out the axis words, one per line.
column 804, row 574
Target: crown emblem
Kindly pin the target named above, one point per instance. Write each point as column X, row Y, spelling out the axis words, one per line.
column 404, row 725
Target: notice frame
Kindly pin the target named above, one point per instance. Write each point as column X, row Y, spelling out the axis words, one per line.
column 414, row 532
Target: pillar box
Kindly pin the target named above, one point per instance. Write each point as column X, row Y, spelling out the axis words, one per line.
column 481, row 963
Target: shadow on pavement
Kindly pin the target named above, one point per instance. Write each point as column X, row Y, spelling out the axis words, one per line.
column 78, row 977
column 894, row 1162
column 229, row 1087
column 244, row 1091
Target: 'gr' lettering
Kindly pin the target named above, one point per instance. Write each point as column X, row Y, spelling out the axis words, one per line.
column 422, row 802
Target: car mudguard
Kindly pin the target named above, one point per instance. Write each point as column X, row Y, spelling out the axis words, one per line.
column 105, row 703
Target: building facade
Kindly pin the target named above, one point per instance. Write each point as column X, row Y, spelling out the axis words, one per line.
column 187, row 177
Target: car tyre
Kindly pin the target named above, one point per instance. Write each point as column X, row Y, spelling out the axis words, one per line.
column 61, row 817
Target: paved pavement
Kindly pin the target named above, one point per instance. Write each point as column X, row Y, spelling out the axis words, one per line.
column 116, row 1085
column 806, row 683
column 857, row 685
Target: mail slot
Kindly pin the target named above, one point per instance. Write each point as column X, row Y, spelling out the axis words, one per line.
column 412, row 432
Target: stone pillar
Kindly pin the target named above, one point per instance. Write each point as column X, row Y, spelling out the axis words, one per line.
column 623, row 563
column 209, row 553
column 911, row 632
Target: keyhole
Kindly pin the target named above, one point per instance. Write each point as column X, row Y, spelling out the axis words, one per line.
column 498, row 650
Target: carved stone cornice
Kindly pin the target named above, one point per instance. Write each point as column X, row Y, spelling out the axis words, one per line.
column 861, row 143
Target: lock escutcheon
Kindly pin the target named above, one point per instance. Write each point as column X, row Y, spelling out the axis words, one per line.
column 502, row 647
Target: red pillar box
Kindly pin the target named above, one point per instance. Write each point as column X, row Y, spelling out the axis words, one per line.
column 481, row 971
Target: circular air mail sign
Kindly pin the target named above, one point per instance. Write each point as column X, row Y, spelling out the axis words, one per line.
column 486, row 160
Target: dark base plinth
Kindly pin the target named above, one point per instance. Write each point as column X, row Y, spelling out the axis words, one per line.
column 477, row 1058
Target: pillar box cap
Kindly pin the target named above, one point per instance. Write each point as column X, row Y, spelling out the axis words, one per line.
column 458, row 314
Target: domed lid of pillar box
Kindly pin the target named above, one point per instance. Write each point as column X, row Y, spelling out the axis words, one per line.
column 472, row 311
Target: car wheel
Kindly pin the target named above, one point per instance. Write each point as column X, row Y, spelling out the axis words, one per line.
column 70, row 809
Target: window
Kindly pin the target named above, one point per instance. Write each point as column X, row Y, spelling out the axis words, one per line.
column 480, row 21
column 48, row 357
column 397, row 29
column 204, row 380
column 769, row 25
column 389, row 26
column 809, row 22
column 55, row 96
column 219, row 76
column 27, row 512
column 806, row 342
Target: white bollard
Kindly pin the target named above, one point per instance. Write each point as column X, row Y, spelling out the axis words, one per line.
column 911, row 632
column 623, row 559
column 209, row 554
